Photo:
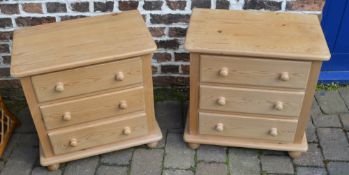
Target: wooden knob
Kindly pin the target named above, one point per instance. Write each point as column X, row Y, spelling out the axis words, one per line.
column 224, row 72
column 123, row 104
column 273, row 132
column 284, row 76
column 279, row 105
column 67, row 116
column 119, row 76
column 127, row 131
column 59, row 87
column 73, row 142
column 219, row 127
column 221, row 101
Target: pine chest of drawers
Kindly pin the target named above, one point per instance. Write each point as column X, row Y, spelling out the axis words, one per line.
column 88, row 84
column 252, row 78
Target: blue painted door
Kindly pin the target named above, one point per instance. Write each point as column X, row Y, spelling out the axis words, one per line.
column 335, row 24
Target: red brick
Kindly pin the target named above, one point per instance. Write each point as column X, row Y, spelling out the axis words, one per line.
column 104, row 6
column 9, row 9
column 176, row 5
column 4, row 72
column 262, row 4
column 157, row 31
column 152, row 5
column 169, row 69
column 201, row 4
column 32, row 7
column 222, row 4
column 128, row 5
column 4, row 48
column 177, row 32
column 154, row 69
column 5, row 22
column 64, row 18
column 162, row 57
column 32, row 21
column 185, row 69
column 310, row 5
column 6, row 59
column 80, row 6
column 181, row 56
column 170, row 81
column 167, row 44
column 5, row 36
column 169, row 18
column 56, row 7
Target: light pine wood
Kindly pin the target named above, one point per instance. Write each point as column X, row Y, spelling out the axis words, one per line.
column 79, row 42
column 253, row 33
column 193, row 145
column 153, row 144
column 254, row 71
column 87, row 79
column 98, row 133
column 53, row 167
column 194, row 92
column 295, row 154
column 85, row 109
column 251, row 100
column 152, row 136
column 247, row 127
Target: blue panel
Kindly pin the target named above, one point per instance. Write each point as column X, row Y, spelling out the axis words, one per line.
column 336, row 76
column 338, row 62
column 342, row 42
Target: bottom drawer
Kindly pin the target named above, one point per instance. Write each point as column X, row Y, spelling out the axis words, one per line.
column 98, row 133
column 247, row 127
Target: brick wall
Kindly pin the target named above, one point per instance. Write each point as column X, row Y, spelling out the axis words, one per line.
column 167, row 21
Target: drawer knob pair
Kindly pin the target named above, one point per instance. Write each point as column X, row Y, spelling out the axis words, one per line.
column 224, row 71
column 127, row 131
column 67, row 116
column 119, row 76
column 59, row 87
column 273, row 132
column 221, row 101
column 279, row 105
column 73, row 142
column 284, row 76
column 219, row 127
column 123, row 104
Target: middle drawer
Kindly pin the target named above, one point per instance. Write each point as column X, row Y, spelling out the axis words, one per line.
column 92, row 108
column 256, row 101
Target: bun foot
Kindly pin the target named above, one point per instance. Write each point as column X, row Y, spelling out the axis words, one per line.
column 193, row 145
column 53, row 167
column 295, row 154
column 153, row 144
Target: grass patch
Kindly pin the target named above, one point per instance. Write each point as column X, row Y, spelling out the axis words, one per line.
column 171, row 93
column 330, row 87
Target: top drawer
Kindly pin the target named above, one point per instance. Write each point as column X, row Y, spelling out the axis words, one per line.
column 87, row 79
column 253, row 71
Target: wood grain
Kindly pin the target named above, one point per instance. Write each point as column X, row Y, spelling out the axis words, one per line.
column 194, row 92
column 253, row 33
column 249, row 100
column 254, row 71
column 92, row 108
column 87, row 79
column 98, row 133
column 79, row 42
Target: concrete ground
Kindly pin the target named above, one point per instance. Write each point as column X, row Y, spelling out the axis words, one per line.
column 328, row 153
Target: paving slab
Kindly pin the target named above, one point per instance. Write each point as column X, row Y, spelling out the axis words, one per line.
column 324, row 120
column 243, row 161
column 44, row 171
column 177, row 172
column 312, row 157
column 345, row 120
column 21, row 161
column 334, row 143
column 212, row 153
column 311, row 171
column 315, row 108
column 85, row 166
column 111, row 170
column 331, row 102
column 338, row 168
column 204, row 168
column 147, row 161
column 277, row 164
column 178, row 154
column 121, row 157
column 344, row 92
column 311, row 132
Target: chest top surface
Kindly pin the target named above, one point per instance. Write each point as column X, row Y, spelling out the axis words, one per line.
column 252, row 33
column 68, row 44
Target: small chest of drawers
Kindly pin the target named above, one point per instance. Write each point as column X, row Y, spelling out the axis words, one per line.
column 88, row 84
column 252, row 78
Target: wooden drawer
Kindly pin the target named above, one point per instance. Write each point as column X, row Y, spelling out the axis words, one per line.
column 281, row 103
column 92, row 108
column 98, row 133
column 87, row 79
column 253, row 71
column 247, row 127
